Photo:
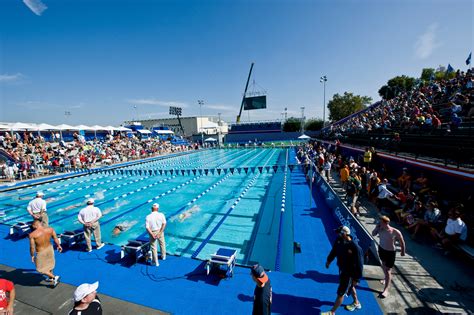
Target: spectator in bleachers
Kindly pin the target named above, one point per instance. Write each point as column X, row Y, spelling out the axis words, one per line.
column 404, row 181
column 455, row 231
column 429, row 222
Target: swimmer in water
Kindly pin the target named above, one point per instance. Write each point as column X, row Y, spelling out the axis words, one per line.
column 186, row 214
column 71, row 207
column 121, row 227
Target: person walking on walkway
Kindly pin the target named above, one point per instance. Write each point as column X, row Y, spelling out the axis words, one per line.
column 37, row 209
column 89, row 218
column 350, row 261
column 388, row 236
column 155, row 225
column 40, row 244
column 262, row 295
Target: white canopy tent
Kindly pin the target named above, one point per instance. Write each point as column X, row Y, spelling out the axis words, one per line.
column 144, row 131
column 66, row 127
column 84, row 127
column 123, row 129
column 4, row 127
column 22, row 126
column 43, row 127
column 163, row 132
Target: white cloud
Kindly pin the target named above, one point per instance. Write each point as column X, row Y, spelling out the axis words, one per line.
column 224, row 108
column 36, row 6
column 11, row 77
column 427, row 42
column 152, row 101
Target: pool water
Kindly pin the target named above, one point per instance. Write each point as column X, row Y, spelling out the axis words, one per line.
column 223, row 208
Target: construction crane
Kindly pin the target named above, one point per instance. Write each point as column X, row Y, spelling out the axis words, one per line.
column 245, row 93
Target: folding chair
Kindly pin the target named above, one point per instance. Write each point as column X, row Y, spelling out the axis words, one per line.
column 136, row 249
column 222, row 261
column 71, row 238
column 20, row 229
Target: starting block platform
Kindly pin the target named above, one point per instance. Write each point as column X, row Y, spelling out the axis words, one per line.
column 71, row 238
column 223, row 261
column 136, row 249
column 20, row 229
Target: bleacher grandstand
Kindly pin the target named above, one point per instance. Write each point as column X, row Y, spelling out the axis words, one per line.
column 432, row 120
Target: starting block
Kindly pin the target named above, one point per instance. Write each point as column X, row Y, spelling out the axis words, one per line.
column 20, row 229
column 136, row 249
column 71, row 238
column 222, row 261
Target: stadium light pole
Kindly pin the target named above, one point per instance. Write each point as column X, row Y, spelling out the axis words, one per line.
column 201, row 102
column 323, row 80
column 219, row 130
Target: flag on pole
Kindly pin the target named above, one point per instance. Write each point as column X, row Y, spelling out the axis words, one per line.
column 450, row 69
column 468, row 60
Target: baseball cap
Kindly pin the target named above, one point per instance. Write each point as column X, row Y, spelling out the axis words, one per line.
column 156, row 205
column 343, row 229
column 84, row 289
column 258, row 272
column 90, row 200
column 39, row 193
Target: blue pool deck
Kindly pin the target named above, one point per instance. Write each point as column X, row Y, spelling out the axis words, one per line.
column 180, row 285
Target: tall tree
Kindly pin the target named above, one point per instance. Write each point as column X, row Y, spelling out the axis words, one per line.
column 292, row 124
column 314, row 124
column 396, row 86
column 343, row 105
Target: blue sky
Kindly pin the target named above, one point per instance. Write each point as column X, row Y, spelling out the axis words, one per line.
column 97, row 59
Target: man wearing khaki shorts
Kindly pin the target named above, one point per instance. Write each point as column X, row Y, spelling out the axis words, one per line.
column 155, row 225
column 89, row 218
column 37, row 209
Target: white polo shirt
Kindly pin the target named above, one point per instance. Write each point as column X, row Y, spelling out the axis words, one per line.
column 89, row 213
column 456, row 227
column 37, row 205
column 155, row 221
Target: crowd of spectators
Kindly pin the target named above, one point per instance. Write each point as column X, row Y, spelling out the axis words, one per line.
column 34, row 156
column 424, row 108
column 410, row 199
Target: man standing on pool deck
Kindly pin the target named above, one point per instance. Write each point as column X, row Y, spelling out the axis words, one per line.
column 350, row 261
column 40, row 243
column 89, row 218
column 388, row 235
column 155, row 225
column 37, row 209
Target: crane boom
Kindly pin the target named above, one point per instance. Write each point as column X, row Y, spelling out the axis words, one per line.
column 245, row 92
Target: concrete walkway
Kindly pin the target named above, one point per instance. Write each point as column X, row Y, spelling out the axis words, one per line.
column 425, row 281
column 34, row 299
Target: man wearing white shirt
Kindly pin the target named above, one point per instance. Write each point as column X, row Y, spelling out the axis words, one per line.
column 37, row 209
column 155, row 225
column 455, row 231
column 89, row 218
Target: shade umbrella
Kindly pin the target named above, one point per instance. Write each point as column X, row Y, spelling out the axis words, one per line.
column 304, row 137
column 210, row 139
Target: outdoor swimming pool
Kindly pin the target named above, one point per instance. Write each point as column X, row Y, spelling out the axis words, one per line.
column 215, row 198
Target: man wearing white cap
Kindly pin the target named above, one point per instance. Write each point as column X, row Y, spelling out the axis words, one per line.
column 89, row 218
column 86, row 300
column 37, row 209
column 350, row 261
column 155, row 225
